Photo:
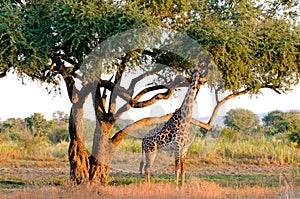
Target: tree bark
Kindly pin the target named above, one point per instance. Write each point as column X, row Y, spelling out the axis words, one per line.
column 99, row 172
column 78, row 157
column 102, row 154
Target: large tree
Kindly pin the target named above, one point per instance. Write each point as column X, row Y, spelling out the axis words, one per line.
column 253, row 46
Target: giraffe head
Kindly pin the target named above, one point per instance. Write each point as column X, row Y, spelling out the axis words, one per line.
column 196, row 78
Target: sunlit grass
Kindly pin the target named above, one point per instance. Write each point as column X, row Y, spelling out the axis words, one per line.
column 256, row 150
column 131, row 145
column 43, row 151
column 194, row 189
column 262, row 150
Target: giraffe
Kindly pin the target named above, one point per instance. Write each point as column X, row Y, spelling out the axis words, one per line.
column 173, row 135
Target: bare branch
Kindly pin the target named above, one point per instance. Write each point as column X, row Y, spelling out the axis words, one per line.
column 134, row 103
column 166, row 95
column 200, row 124
column 274, row 88
column 222, row 102
column 149, row 89
column 119, row 136
column 3, row 74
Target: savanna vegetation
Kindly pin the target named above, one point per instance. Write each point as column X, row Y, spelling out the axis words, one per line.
column 240, row 160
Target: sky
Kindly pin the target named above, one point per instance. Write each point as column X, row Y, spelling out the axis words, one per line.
column 20, row 101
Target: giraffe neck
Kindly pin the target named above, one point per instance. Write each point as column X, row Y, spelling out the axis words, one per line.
column 187, row 105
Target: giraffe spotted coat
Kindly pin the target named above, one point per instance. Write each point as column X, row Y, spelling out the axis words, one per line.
column 164, row 137
column 173, row 135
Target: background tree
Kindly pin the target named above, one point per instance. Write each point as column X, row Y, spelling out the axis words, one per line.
column 277, row 122
column 37, row 124
column 12, row 126
column 251, row 44
column 272, row 121
column 58, row 127
column 242, row 120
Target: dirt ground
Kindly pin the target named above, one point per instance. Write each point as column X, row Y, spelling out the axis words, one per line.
column 32, row 174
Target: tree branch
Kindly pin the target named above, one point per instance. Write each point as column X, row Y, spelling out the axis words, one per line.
column 134, row 103
column 166, row 95
column 120, row 135
column 97, row 102
column 222, row 102
column 3, row 74
column 274, row 88
column 200, row 124
column 149, row 89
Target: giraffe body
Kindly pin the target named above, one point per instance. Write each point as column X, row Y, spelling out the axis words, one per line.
column 173, row 135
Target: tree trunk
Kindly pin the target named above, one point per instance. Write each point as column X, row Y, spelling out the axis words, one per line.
column 102, row 154
column 78, row 157
column 96, row 167
column 99, row 172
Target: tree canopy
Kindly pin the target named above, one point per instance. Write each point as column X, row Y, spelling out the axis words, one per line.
column 252, row 45
column 277, row 122
column 241, row 120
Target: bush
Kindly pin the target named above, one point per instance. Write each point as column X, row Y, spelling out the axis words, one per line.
column 295, row 137
column 229, row 134
column 59, row 134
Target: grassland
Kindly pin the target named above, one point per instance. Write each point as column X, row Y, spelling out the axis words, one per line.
column 247, row 168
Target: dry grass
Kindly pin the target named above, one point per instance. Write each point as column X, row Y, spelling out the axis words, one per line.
column 194, row 189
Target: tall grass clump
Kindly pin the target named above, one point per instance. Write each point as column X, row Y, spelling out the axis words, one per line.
column 131, row 144
column 20, row 145
column 9, row 150
column 59, row 150
column 258, row 150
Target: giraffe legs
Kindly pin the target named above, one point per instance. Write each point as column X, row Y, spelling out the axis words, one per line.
column 150, row 157
column 180, row 164
column 183, row 158
column 177, row 166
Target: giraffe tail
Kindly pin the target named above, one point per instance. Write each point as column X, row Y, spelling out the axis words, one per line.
column 142, row 162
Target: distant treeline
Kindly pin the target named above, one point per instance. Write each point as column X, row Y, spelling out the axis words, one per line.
column 237, row 122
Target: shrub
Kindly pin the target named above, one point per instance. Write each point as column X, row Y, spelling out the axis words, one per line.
column 294, row 137
column 59, row 134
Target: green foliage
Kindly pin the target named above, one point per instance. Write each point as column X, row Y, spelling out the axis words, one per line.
column 17, row 141
column 12, row 125
column 283, row 122
column 229, row 134
column 273, row 122
column 242, row 120
column 59, row 134
column 34, row 131
column 295, row 137
column 37, row 124
column 251, row 44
